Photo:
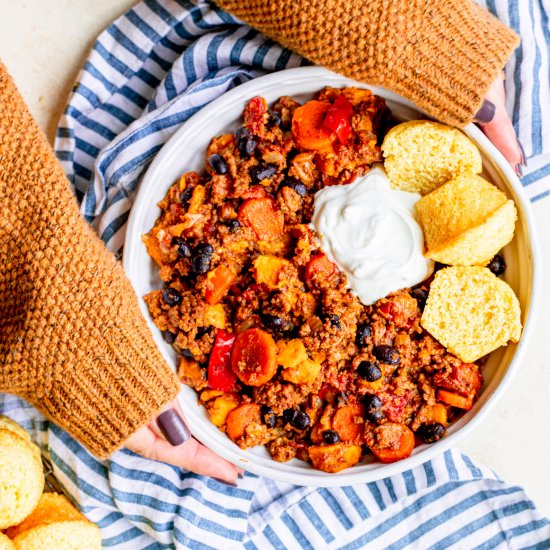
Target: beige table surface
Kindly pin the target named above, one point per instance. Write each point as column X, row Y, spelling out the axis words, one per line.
column 44, row 42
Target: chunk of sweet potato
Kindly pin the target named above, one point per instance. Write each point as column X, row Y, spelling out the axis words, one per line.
column 334, row 458
column 267, row 269
column 254, row 357
column 240, row 418
column 298, row 367
column 220, row 407
column 190, row 373
column 395, row 442
column 218, row 282
column 455, row 400
column 349, row 422
column 319, row 268
column 215, row 316
column 263, row 217
column 324, row 423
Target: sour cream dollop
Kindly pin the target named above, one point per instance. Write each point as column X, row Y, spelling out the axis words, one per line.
column 370, row 231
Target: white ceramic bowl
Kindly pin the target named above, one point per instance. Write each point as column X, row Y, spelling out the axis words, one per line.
column 186, row 151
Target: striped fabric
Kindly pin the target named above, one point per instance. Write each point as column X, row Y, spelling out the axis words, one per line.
column 147, row 73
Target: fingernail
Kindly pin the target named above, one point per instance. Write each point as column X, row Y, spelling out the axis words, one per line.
column 173, row 427
column 486, row 112
column 519, row 171
column 522, row 152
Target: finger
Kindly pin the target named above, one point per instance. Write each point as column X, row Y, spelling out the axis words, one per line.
column 500, row 130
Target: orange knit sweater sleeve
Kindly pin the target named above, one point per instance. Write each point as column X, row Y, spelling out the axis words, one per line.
column 442, row 55
column 72, row 340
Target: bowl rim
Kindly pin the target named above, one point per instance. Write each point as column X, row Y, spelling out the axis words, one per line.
column 220, row 444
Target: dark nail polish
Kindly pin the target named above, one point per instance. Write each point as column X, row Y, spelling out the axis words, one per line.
column 486, row 112
column 173, row 427
column 519, row 171
column 522, row 152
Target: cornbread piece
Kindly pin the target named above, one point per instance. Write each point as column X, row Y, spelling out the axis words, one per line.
column 421, row 155
column 55, row 523
column 6, row 543
column 9, row 424
column 22, row 478
column 466, row 221
column 471, row 312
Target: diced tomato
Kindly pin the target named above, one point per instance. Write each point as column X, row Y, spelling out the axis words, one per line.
column 394, row 406
column 220, row 375
column 338, row 118
column 255, row 115
column 464, row 379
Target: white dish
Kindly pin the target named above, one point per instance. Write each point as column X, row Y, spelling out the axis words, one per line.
column 185, row 151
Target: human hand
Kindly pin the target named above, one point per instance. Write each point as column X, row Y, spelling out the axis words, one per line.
column 497, row 126
column 167, row 439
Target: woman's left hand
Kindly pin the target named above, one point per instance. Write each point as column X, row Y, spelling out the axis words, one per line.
column 167, row 439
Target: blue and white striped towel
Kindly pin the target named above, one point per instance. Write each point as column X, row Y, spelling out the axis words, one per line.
column 147, row 73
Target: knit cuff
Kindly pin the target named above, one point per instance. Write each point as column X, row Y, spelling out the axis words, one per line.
column 450, row 68
column 104, row 398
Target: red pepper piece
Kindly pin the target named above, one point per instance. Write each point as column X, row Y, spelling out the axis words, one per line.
column 220, row 374
column 338, row 118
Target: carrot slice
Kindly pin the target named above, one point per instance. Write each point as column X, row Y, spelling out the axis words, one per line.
column 241, row 417
column 308, row 129
column 403, row 450
column 263, row 217
column 219, row 281
column 334, row 458
column 319, row 266
column 455, row 400
column 349, row 422
column 254, row 357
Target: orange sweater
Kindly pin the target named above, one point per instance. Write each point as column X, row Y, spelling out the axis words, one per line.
column 72, row 339
column 442, row 55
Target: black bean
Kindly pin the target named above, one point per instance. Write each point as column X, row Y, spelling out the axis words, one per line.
column 300, row 421
column 269, row 416
column 261, row 172
column 233, row 225
column 169, row 337
column 420, row 295
column 201, row 331
column 363, row 332
column 184, row 250
column 274, row 118
column 275, row 322
column 202, row 256
column 331, row 437
column 246, row 142
column 297, row 185
column 289, row 415
column 186, row 194
column 369, row 371
column 171, row 296
column 372, row 402
column 430, row 433
column 374, row 416
column 334, row 321
column 386, row 354
column 218, row 164
column 187, row 354
column 497, row 265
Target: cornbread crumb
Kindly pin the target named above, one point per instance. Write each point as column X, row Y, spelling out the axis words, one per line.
column 22, row 480
column 55, row 523
column 421, row 155
column 6, row 543
column 466, row 221
column 471, row 312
